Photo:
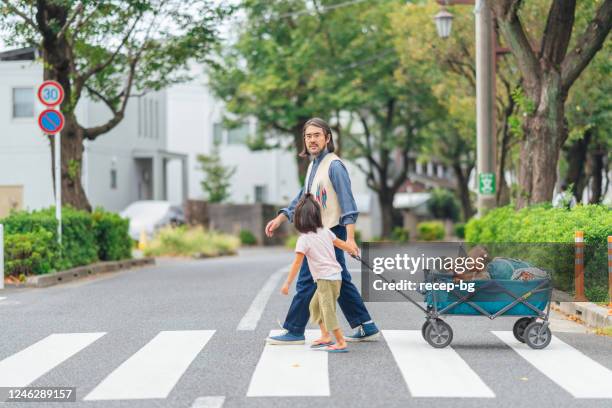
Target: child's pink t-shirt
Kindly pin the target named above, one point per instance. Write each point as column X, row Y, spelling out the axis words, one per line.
column 318, row 247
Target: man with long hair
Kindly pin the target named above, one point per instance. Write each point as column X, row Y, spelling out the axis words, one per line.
column 328, row 181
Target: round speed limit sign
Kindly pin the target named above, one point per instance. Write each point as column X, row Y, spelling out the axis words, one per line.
column 50, row 93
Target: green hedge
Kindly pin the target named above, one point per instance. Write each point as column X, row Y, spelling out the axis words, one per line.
column 443, row 204
column 78, row 241
column 399, row 234
column 547, row 237
column 111, row 233
column 29, row 253
column 541, row 223
column 86, row 238
column 247, row 237
column 459, row 229
column 431, row 231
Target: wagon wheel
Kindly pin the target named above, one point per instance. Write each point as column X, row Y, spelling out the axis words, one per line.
column 425, row 324
column 519, row 327
column 536, row 337
column 439, row 337
column 423, row 328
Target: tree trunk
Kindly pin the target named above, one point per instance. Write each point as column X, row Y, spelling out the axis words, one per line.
column 502, row 196
column 298, row 142
column 576, row 156
column 597, row 161
column 545, row 133
column 57, row 66
column 73, row 193
column 385, row 200
column 464, row 191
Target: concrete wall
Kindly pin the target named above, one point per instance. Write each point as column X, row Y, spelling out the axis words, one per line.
column 232, row 218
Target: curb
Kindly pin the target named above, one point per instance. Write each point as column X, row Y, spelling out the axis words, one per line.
column 46, row 280
column 594, row 316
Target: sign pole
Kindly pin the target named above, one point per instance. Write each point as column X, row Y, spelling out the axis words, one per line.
column 51, row 121
column 58, row 186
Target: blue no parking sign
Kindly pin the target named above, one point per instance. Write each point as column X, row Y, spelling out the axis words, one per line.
column 51, row 121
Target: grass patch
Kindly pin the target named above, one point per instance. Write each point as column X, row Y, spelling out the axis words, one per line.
column 606, row 331
column 193, row 242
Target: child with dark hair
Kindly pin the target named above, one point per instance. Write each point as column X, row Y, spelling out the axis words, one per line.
column 317, row 244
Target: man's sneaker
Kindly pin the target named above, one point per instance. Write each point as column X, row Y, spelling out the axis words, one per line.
column 286, row 338
column 365, row 332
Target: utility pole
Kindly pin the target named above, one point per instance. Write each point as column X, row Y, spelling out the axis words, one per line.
column 487, row 51
column 485, row 108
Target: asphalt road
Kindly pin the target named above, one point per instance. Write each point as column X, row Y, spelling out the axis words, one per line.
column 191, row 334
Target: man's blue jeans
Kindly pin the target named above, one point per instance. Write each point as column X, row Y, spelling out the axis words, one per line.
column 350, row 300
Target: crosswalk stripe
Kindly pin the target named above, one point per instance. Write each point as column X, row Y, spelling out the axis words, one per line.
column 431, row 372
column 155, row 369
column 208, row 402
column 24, row 367
column 578, row 374
column 291, row 371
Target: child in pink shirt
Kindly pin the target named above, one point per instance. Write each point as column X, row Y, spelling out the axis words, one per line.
column 317, row 244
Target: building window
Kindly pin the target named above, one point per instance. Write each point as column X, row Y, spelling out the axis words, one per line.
column 114, row 179
column 23, row 102
column 261, row 194
column 217, row 134
column 238, row 135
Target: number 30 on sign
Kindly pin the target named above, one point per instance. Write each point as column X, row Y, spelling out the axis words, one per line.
column 50, row 93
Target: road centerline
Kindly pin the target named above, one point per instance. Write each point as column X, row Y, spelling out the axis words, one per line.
column 251, row 318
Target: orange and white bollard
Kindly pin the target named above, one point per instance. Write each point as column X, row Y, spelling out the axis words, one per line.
column 579, row 267
column 610, row 274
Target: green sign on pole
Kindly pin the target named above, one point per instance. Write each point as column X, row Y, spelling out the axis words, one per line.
column 486, row 183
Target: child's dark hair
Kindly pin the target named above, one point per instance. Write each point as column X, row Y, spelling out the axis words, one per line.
column 307, row 216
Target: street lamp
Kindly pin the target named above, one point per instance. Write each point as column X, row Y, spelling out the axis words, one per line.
column 444, row 23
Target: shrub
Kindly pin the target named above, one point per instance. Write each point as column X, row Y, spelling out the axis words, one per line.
column 443, row 204
column 111, row 233
column 553, row 229
column 541, row 223
column 291, row 241
column 460, row 230
column 196, row 242
column 400, row 235
column 30, row 253
column 247, row 237
column 85, row 239
column 78, row 242
column 431, row 230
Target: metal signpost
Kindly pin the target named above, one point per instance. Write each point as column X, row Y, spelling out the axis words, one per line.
column 51, row 122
